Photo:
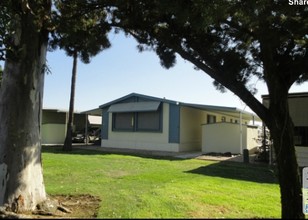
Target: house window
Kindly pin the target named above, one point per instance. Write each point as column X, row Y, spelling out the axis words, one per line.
column 301, row 136
column 123, row 121
column 211, row 119
column 148, row 121
column 137, row 121
column 223, row 118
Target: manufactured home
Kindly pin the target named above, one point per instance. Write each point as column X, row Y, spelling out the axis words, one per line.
column 143, row 122
column 298, row 105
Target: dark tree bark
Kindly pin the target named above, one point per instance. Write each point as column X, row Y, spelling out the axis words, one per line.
column 22, row 186
column 282, row 134
column 288, row 171
column 68, row 139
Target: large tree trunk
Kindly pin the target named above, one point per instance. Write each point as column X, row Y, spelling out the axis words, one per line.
column 282, row 133
column 22, row 186
column 68, row 139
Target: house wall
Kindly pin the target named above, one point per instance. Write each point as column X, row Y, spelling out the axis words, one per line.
column 298, row 110
column 302, row 156
column 53, row 117
column 158, row 141
column 221, row 137
column 251, row 138
column 191, row 130
column 298, row 105
column 54, row 126
column 53, row 133
column 181, row 129
column 226, row 137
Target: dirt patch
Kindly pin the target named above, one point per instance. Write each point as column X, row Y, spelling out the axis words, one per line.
column 81, row 206
column 70, row 206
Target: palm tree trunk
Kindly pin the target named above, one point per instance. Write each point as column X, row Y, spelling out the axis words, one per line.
column 68, row 140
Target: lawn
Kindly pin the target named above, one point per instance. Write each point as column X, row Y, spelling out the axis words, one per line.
column 136, row 186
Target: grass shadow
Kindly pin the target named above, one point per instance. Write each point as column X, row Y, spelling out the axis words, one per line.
column 239, row 171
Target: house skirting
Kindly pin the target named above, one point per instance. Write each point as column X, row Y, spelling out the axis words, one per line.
column 126, row 144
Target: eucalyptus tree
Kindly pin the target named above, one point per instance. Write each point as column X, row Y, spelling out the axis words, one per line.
column 25, row 27
column 234, row 42
column 1, row 72
column 24, row 36
column 82, row 34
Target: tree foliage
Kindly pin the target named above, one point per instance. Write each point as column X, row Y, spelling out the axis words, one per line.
column 79, row 31
column 234, row 42
column 5, row 27
column 82, row 34
column 225, row 38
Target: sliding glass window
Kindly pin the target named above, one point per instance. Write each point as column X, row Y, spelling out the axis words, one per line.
column 148, row 121
column 123, row 121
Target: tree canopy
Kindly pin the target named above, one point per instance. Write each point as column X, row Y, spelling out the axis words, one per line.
column 76, row 30
column 234, row 42
column 80, row 34
column 231, row 41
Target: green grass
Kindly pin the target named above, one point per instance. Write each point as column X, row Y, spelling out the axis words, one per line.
column 134, row 186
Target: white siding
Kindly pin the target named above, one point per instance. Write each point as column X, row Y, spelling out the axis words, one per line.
column 302, row 156
column 251, row 139
column 53, row 133
column 142, row 140
column 190, row 136
column 226, row 137
column 191, row 130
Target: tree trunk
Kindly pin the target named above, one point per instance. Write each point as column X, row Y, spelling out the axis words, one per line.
column 22, row 186
column 68, row 139
column 282, row 133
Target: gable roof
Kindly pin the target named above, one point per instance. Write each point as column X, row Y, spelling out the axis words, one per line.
column 138, row 96
column 221, row 109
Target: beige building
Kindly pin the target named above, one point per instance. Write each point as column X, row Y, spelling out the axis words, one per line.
column 298, row 107
column 229, row 137
column 54, row 124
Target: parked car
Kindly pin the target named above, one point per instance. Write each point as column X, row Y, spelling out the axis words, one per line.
column 94, row 134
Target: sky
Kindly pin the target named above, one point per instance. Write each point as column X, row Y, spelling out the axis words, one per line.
column 121, row 70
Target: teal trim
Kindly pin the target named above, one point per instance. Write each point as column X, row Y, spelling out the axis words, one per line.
column 174, row 123
column 105, row 123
